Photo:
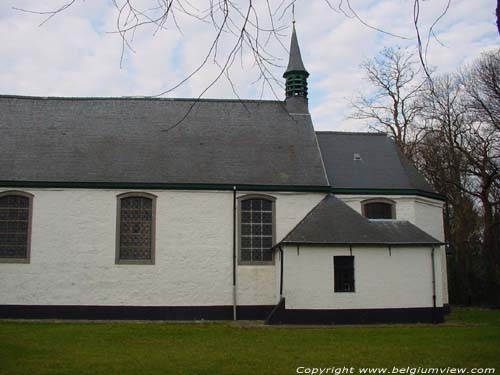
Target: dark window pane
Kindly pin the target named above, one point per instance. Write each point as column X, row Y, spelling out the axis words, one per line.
column 246, row 255
column 256, row 229
column 267, row 217
column 378, row 210
column 344, row 273
column 4, row 202
column 267, row 242
column 267, row 255
column 256, row 204
column 246, row 204
column 246, row 242
column 256, row 217
column 257, row 255
column 246, row 229
column 147, row 203
column 256, row 242
column 245, row 217
column 267, row 205
column 267, row 230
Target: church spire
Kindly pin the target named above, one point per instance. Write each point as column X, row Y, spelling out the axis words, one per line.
column 296, row 74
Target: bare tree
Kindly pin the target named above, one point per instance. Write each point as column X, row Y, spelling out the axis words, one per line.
column 461, row 153
column 480, row 144
column 483, row 88
column 498, row 16
column 394, row 105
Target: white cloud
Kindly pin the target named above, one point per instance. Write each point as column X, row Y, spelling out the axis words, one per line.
column 72, row 55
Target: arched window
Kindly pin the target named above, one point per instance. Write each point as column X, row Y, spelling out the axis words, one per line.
column 15, row 226
column 257, row 217
column 136, row 228
column 379, row 209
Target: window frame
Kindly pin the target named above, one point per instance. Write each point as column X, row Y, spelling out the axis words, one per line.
column 241, row 199
column 30, row 197
column 119, row 198
column 353, row 275
column 379, row 200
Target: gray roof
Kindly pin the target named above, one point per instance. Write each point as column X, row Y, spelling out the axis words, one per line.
column 334, row 222
column 135, row 140
column 295, row 63
column 382, row 165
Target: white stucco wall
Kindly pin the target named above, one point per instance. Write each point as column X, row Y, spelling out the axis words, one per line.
column 256, row 284
column 73, row 252
column 425, row 213
column 402, row 279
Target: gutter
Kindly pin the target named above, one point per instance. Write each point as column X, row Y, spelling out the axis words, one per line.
column 163, row 186
column 214, row 186
column 234, row 254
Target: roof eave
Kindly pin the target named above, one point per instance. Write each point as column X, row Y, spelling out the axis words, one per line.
column 353, row 243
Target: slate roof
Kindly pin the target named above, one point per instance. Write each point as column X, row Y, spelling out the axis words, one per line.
column 382, row 165
column 134, row 140
column 295, row 63
column 333, row 222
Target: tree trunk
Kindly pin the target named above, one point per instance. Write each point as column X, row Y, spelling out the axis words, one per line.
column 490, row 253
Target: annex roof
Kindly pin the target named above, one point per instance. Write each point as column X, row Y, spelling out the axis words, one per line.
column 333, row 222
column 146, row 140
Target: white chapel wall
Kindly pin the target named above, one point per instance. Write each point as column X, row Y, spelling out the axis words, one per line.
column 73, row 252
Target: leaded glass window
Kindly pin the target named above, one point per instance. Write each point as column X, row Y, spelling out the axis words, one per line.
column 256, row 230
column 14, row 226
column 136, row 229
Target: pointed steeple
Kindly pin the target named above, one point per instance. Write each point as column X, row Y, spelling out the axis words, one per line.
column 295, row 63
column 296, row 79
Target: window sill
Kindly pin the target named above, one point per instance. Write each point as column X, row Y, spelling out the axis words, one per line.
column 15, row 260
column 136, row 262
column 256, row 263
column 345, row 292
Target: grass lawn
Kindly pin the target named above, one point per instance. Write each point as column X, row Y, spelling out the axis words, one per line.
column 469, row 338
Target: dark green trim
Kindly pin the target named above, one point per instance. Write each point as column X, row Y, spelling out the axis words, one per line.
column 161, row 186
column 225, row 187
column 389, row 192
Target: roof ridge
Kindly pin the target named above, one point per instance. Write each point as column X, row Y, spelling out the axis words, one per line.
column 34, row 97
column 350, row 133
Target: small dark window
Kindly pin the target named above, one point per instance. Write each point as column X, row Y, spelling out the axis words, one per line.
column 344, row 273
column 136, row 216
column 378, row 210
column 15, row 226
column 256, row 230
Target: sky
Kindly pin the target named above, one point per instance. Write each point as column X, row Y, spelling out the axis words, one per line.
column 78, row 52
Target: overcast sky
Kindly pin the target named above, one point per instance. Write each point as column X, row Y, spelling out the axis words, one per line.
column 75, row 55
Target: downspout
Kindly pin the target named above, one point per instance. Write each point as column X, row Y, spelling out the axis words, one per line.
column 433, row 287
column 234, row 253
column 282, row 260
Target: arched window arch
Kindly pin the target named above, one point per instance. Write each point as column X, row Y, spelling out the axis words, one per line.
column 135, row 228
column 257, row 216
column 15, row 226
column 379, row 208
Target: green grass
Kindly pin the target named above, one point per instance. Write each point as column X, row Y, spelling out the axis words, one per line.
column 469, row 338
